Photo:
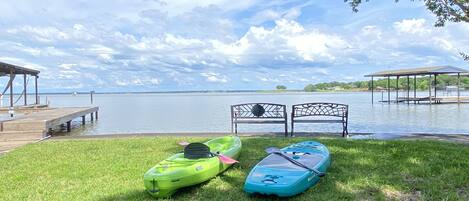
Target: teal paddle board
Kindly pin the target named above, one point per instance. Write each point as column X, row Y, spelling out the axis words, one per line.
column 289, row 171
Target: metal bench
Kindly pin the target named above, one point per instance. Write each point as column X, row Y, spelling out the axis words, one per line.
column 320, row 113
column 258, row 113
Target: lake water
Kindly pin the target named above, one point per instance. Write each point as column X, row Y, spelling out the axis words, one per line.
column 210, row 112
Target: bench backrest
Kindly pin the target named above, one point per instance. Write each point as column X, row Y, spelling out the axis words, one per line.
column 320, row 109
column 258, row 110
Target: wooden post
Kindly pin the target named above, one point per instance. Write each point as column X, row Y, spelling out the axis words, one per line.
column 91, row 96
column 459, row 86
column 382, row 95
column 92, row 117
column 415, row 88
column 389, row 90
column 96, row 114
column 25, row 92
column 397, row 90
column 83, row 120
column 35, row 86
column 69, row 126
column 430, row 88
column 435, row 85
column 372, row 91
column 12, row 77
column 408, row 90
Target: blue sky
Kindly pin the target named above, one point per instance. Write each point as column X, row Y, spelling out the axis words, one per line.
column 160, row 45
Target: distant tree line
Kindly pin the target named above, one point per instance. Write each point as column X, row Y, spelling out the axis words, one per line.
column 281, row 87
column 422, row 84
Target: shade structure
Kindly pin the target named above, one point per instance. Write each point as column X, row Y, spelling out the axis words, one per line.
column 14, row 70
column 6, row 68
column 431, row 71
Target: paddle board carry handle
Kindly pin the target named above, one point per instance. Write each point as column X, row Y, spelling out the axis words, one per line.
column 274, row 150
column 269, row 181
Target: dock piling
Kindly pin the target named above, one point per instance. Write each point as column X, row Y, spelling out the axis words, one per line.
column 397, row 90
column 69, row 126
column 372, row 91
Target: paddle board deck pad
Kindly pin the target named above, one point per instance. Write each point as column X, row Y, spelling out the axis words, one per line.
column 289, row 171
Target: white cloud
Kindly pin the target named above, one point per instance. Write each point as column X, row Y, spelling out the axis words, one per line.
column 412, row 26
column 42, row 34
column 187, row 44
column 288, row 40
column 214, row 77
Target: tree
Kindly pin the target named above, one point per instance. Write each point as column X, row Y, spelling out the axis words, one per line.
column 281, row 87
column 310, row 88
column 445, row 11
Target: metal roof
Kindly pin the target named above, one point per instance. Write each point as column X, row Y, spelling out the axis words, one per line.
column 8, row 68
column 419, row 71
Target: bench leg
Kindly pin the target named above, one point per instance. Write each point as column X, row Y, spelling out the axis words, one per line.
column 236, row 128
column 344, row 129
column 286, row 129
column 292, row 128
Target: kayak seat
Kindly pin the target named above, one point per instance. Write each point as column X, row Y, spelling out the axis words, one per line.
column 197, row 150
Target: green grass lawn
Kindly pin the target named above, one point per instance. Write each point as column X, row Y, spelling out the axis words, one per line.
column 112, row 169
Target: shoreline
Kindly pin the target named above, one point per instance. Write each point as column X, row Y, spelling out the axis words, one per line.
column 223, row 92
column 458, row 138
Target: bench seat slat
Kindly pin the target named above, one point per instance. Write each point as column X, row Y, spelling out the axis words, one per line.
column 317, row 121
column 259, row 121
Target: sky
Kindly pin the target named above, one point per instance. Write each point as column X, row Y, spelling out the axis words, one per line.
column 177, row 45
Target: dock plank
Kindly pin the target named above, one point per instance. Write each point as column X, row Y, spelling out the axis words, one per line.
column 35, row 126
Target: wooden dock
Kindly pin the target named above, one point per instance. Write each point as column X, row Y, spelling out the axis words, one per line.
column 38, row 125
column 428, row 100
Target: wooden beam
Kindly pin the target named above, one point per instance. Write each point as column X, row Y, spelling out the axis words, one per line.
column 83, row 120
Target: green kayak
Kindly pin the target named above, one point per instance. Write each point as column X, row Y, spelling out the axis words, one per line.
column 177, row 171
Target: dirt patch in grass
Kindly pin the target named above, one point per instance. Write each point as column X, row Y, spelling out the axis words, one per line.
column 393, row 194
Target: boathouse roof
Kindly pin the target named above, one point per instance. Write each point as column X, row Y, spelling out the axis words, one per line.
column 432, row 70
column 6, row 68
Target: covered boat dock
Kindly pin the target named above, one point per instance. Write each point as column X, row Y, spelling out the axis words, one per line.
column 13, row 71
column 33, row 122
column 432, row 74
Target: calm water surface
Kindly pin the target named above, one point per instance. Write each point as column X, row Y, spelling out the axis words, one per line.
column 202, row 112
